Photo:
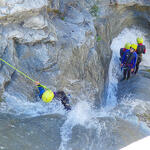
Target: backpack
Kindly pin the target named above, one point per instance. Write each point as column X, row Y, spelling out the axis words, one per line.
column 122, row 50
column 140, row 49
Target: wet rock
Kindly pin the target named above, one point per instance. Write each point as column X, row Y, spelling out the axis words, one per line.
column 109, row 134
column 35, row 133
column 137, row 89
column 136, row 86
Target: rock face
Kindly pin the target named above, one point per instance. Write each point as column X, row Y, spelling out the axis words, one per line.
column 53, row 42
column 61, row 44
column 65, row 44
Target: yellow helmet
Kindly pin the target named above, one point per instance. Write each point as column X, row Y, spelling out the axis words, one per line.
column 47, row 96
column 139, row 40
column 127, row 45
column 134, row 46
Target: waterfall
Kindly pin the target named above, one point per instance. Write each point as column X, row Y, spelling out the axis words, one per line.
column 127, row 35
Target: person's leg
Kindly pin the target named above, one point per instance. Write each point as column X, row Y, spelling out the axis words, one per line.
column 136, row 68
column 67, row 106
column 124, row 73
column 137, row 65
column 128, row 73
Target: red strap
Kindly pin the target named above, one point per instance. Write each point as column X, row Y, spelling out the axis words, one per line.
column 124, row 49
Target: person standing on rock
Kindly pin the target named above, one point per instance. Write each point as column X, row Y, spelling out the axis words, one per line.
column 48, row 95
column 123, row 50
column 141, row 49
column 128, row 62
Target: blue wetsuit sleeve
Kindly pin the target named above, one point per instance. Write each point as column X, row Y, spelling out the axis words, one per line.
column 41, row 90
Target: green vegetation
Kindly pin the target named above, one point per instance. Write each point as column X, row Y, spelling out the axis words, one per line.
column 144, row 117
column 56, row 12
column 1, row 99
column 94, row 10
column 148, row 70
column 98, row 38
column 62, row 18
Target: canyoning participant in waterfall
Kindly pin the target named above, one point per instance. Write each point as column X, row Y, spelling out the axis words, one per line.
column 141, row 49
column 128, row 62
column 123, row 50
column 48, row 95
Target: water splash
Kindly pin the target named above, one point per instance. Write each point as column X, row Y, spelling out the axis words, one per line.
column 79, row 115
column 21, row 106
column 82, row 114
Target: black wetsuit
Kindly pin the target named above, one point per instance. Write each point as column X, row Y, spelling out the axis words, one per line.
column 122, row 51
column 60, row 95
column 141, row 49
column 129, row 61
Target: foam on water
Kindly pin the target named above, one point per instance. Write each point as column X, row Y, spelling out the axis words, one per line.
column 19, row 106
column 82, row 114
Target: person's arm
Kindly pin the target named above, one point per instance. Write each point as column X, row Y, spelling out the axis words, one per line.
column 41, row 89
column 37, row 83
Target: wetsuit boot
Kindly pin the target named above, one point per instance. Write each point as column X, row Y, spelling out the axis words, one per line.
column 137, row 64
column 128, row 74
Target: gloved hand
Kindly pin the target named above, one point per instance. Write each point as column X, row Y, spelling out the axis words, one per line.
column 132, row 70
column 37, row 83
